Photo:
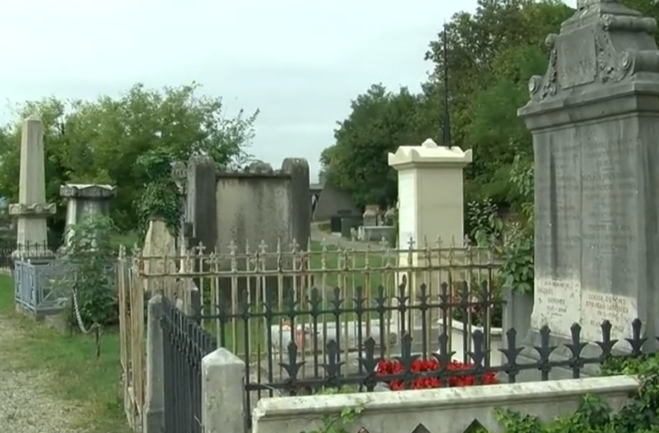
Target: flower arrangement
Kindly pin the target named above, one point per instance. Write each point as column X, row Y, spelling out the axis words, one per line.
column 392, row 367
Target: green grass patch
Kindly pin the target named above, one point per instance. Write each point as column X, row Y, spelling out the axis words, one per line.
column 75, row 375
column 125, row 239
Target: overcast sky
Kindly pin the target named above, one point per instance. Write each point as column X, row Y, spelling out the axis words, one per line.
column 300, row 62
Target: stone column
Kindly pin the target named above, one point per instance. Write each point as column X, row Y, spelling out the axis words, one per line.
column 430, row 208
column 32, row 210
column 84, row 200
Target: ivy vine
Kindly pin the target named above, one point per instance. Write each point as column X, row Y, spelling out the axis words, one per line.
column 594, row 415
column 512, row 241
column 93, row 303
column 161, row 197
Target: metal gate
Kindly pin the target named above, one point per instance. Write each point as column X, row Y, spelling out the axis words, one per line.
column 185, row 344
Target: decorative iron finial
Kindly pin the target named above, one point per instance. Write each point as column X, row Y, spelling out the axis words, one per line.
column 446, row 126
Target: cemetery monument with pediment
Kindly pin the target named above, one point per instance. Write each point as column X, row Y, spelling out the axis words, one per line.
column 594, row 117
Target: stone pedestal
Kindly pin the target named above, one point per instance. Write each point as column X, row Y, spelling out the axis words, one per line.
column 430, row 208
column 430, row 193
column 85, row 200
column 32, row 211
column 593, row 116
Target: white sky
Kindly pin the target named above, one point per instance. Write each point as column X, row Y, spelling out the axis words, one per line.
column 300, row 62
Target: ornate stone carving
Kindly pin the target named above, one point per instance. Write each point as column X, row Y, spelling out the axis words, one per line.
column 543, row 87
column 35, row 209
column 592, row 32
column 87, row 191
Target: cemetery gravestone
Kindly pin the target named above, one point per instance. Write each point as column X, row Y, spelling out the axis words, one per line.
column 32, row 211
column 594, row 116
column 85, row 200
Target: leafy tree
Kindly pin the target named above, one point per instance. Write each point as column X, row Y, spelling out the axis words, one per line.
column 491, row 55
column 100, row 140
column 379, row 123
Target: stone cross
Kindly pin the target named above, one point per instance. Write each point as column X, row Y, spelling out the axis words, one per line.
column 32, row 210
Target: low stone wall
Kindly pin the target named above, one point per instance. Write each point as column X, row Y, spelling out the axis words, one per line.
column 454, row 409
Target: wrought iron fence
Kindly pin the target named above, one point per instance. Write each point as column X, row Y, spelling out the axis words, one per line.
column 256, row 301
column 185, row 344
column 10, row 251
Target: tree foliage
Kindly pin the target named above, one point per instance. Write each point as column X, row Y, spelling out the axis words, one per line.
column 379, row 122
column 101, row 140
column 491, row 55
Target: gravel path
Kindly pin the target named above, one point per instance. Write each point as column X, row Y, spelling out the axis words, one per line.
column 24, row 408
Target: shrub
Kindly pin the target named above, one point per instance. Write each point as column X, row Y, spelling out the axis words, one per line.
column 395, row 367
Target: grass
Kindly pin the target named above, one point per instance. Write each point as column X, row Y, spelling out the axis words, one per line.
column 125, row 239
column 69, row 364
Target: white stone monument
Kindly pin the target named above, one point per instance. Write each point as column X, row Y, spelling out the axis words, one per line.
column 430, row 207
column 430, row 193
column 84, row 200
column 32, row 211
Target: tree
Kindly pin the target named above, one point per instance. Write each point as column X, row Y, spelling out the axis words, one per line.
column 100, row 140
column 491, row 55
column 379, row 123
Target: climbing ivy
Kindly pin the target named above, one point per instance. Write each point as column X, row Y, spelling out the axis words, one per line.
column 160, row 198
column 512, row 242
column 89, row 251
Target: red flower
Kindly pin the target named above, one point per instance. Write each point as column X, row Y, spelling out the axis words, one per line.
column 392, row 367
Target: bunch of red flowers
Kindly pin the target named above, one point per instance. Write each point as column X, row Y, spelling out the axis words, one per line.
column 391, row 367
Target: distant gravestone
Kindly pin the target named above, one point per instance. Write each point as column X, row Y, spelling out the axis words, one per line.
column 594, row 119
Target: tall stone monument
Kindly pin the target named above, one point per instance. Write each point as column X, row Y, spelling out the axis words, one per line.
column 594, row 116
column 85, row 200
column 32, row 211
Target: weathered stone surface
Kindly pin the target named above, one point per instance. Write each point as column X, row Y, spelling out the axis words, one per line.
column 593, row 118
column 32, row 209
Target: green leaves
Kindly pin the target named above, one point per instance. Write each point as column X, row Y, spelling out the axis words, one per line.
column 161, row 197
column 379, row 123
column 99, row 141
column 90, row 250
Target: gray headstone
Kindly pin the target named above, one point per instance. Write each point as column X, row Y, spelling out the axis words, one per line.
column 594, row 116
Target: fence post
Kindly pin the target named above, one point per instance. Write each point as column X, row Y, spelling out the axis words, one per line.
column 154, row 402
column 222, row 392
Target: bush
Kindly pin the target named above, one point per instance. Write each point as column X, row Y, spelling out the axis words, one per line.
column 639, row 415
column 90, row 251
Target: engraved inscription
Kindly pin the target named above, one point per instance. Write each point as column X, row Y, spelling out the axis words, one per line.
column 609, row 200
column 576, row 63
column 556, row 304
column 598, row 307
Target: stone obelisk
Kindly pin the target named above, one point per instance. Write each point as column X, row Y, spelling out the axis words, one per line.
column 32, row 211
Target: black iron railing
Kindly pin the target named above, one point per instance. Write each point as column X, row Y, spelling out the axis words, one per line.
column 185, row 344
column 315, row 358
column 328, row 339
